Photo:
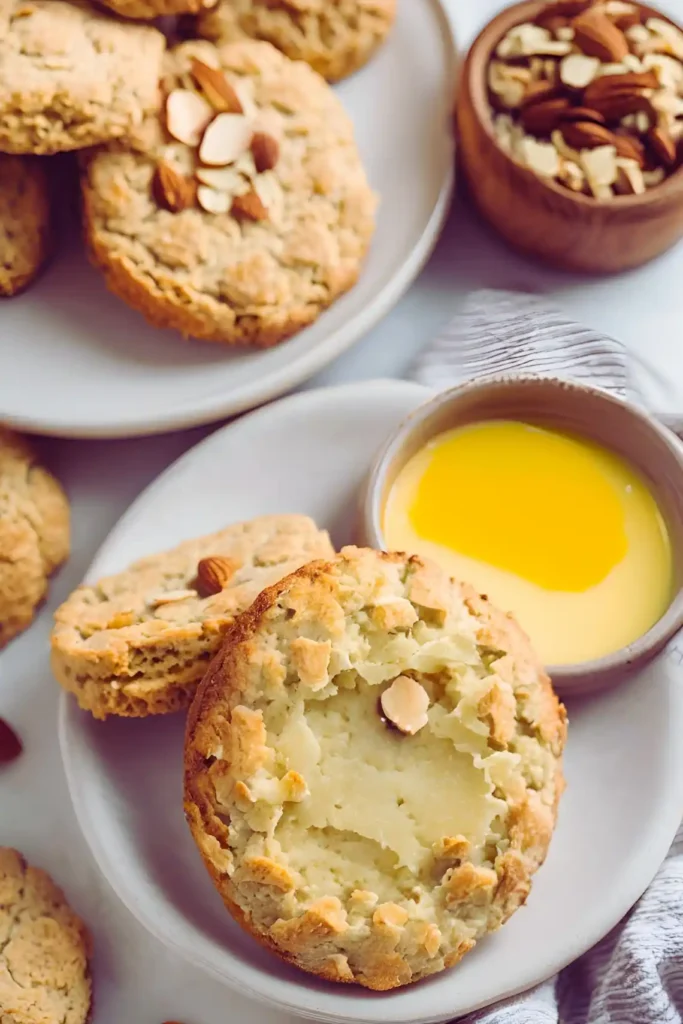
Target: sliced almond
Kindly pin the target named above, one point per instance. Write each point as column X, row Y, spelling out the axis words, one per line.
column 577, row 70
column 600, row 167
column 405, row 703
column 217, row 89
column 671, row 36
column 540, row 157
column 223, row 179
column 213, row 201
column 572, row 176
column 225, row 139
column 653, row 178
column 599, row 37
column 172, row 189
column 187, row 115
column 169, row 597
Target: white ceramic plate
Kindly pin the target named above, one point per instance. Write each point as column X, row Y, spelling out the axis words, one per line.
column 77, row 362
column 309, row 453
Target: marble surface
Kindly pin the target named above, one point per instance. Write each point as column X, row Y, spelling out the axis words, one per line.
column 136, row 979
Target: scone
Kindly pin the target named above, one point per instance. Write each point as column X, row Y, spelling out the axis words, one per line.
column 372, row 768
column 336, row 37
column 138, row 643
column 148, row 9
column 246, row 230
column 72, row 76
column 34, row 532
column 44, row 949
column 25, row 222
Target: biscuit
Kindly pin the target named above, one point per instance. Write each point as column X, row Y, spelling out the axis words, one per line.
column 336, row 37
column 148, row 9
column 72, row 76
column 226, row 276
column 25, row 223
column 34, row 532
column 44, row 949
column 138, row 643
column 372, row 768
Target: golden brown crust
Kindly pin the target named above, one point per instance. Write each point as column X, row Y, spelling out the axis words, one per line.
column 336, row 37
column 44, row 949
column 25, row 222
column 253, row 790
column 217, row 276
column 146, row 10
column 34, row 532
column 122, row 649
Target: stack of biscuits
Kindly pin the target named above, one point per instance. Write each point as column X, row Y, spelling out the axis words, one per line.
column 223, row 192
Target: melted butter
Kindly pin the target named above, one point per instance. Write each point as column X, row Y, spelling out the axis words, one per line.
column 553, row 528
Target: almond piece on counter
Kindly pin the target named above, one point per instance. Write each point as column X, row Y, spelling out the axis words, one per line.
column 577, row 70
column 405, row 704
column 173, row 190
column 663, row 146
column 10, row 744
column 187, row 115
column 213, row 201
column 597, row 36
column 217, row 89
column 249, row 207
column 214, row 573
column 542, row 118
column 225, row 139
column 265, row 150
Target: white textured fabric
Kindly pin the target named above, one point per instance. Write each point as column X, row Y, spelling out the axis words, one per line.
column 635, row 975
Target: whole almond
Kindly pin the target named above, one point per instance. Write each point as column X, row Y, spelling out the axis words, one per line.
column 583, row 114
column 586, row 135
column 597, row 36
column 217, row 89
column 542, row 118
column 663, row 146
column 249, row 207
column 265, row 151
column 172, row 189
column 10, row 744
column 630, row 148
column 539, row 91
column 630, row 81
column 214, row 573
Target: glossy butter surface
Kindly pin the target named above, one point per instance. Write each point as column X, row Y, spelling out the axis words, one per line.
column 551, row 527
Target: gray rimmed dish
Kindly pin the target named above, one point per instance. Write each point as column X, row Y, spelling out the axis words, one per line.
column 574, row 408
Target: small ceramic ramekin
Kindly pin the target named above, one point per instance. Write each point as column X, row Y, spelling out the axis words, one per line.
column 575, row 408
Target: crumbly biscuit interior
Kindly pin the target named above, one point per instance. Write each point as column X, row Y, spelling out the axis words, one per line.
column 323, row 798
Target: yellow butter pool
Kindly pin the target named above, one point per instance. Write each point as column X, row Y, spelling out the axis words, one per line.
column 554, row 528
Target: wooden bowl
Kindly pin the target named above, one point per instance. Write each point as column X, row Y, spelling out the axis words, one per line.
column 575, row 409
column 539, row 217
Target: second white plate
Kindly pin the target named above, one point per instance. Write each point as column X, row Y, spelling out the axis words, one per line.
column 77, row 362
column 624, row 763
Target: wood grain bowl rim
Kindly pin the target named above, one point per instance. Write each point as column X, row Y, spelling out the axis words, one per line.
column 474, row 71
column 663, row 471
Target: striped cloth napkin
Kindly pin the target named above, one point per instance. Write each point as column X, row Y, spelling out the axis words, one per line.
column 635, row 975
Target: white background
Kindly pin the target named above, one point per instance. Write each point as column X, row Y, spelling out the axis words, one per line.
column 136, row 980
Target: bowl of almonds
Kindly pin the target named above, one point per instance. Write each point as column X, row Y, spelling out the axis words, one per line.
column 570, row 117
